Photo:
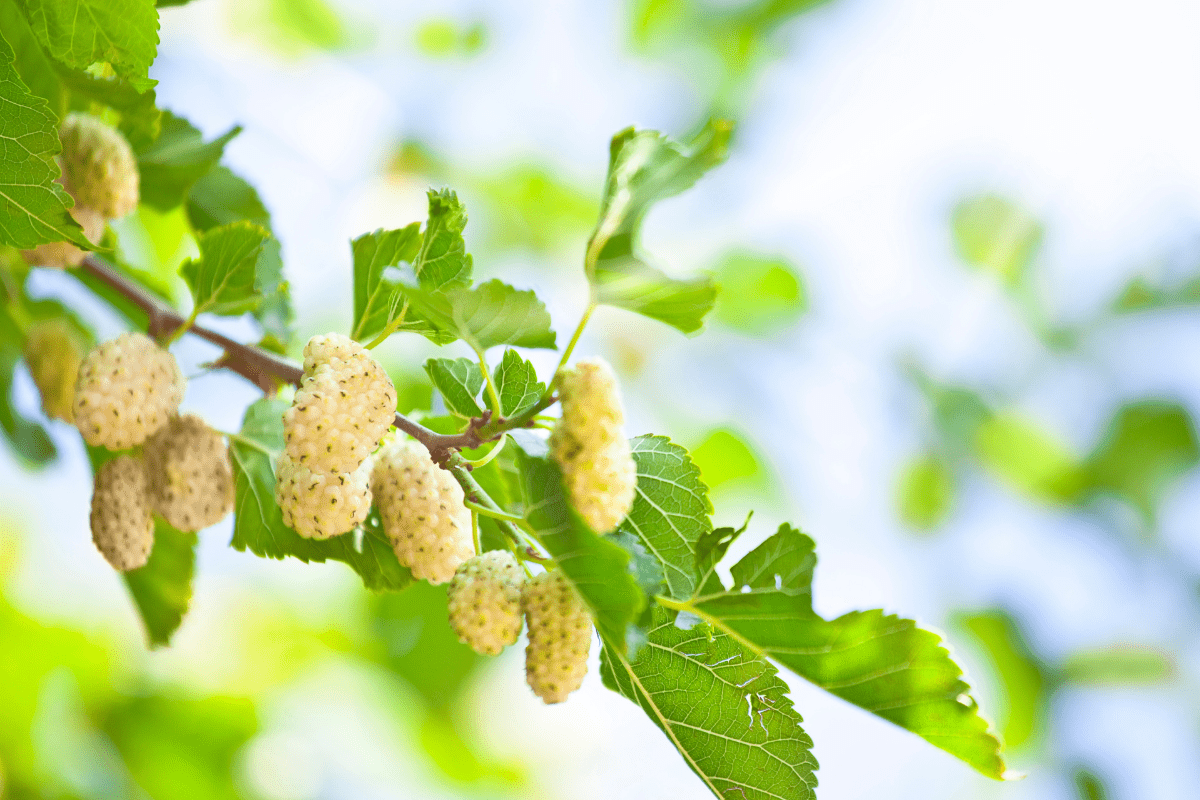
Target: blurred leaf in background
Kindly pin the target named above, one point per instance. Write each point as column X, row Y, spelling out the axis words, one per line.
column 1118, row 665
column 996, row 235
column 1023, row 678
column 292, row 28
column 925, row 494
column 1031, row 459
column 446, row 38
column 728, row 460
column 759, row 295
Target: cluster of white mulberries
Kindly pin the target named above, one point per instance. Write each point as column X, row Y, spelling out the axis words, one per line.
column 590, row 447
column 53, row 352
column 127, row 390
column 345, row 404
column 122, row 527
column 191, row 480
column 560, row 635
column 100, row 171
column 421, row 507
column 485, row 602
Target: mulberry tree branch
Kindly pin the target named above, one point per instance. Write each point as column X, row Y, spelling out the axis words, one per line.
column 268, row 371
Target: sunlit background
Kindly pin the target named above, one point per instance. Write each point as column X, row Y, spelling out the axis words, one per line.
column 960, row 246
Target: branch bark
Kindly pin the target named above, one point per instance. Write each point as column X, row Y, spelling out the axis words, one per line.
column 265, row 369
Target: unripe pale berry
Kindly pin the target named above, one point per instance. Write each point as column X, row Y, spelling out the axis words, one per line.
column 122, row 527
column 485, row 601
column 421, row 506
column 560, row 635
column 590, row 447
column 53, row 352
column 320, row 505
column 191, row 480
column 65, row 254
column 127, row 389
column 99, row 168
column 344, row 406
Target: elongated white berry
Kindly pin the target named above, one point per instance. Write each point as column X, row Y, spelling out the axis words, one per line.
column 127, row 389
column 98, row 165
column 421, row 506
column 65, row 254
column 591, row 448
column 122, row 527
column 53, row 352
column 560, row 635
column 319, row 505
column 345, row 404
column 485, row 601
column 191, row 480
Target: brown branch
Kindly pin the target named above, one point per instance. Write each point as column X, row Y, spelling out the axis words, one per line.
column 265, row 369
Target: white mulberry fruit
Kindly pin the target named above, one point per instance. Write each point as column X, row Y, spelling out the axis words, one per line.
column 320, row 505
column 345, row 404
column 98, row 165
column 53, row 351
column 127, row 389
column 560, row 635
column 421, row 506
column 590, row 447
column 65, row 254
column 122, row 527
column 191, row 480
column 485, row 602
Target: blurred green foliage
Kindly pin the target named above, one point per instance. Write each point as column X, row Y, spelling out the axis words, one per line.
column 1022, row 676
column 994, row 234
column 292, row 27
column 444, row 38
column 727, row 459
column 760, row 295
column 925, row 492
column 1028, row 457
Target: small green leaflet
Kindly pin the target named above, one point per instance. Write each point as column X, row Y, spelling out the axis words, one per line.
column 724, row 708
column 176, row 161
column 377, row 299
column 459, row 381
column 486, row 315
column 33, row 207
column 879, row 662
column 162, row 589
column 517, row 384
column 599, row 568
column 221, row 197
column 225, row 278
column 645, row 167
column 123, row 33
column 443, row 261
column 438, row 258
column 670, row 511
column 29, row 440
column 258, row 522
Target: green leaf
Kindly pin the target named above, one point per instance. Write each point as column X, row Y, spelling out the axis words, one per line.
column 36, row 70
column 645, row 167
column 225, row 278
column 141, row 120
column 443, row 261
column 486, row 315
column 724, row 708
column 459, row 380
column 670, row 510
column 517, row 384
column 176, row 161
column 1029, row 458
column 29, row 440
column 123, row 33
column 598, row 567
column 162, row 589
column 377, row 297
column 996, row 235
column 1021, row 675
column 1118, row 665
column 725, row 457
column 33, row 206
column 925, row 493
column 258, row 522
column 760, row 296
column 221, row 197
column 882, row 663
column 1147, row 446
